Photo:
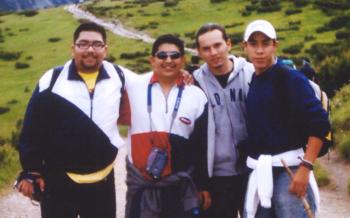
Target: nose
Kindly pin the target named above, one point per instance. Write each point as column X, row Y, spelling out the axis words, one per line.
column 213, row 51
column 168, row 59
column 90, row 48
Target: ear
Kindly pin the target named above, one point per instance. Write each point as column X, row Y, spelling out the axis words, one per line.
column 229, row 43
column 151, row 60
column 72, row 50
column 106, row 51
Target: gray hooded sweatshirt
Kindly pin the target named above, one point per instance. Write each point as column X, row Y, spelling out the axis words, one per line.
column 227, row 115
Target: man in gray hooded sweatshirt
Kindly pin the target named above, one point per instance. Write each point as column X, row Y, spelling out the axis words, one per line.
column 225, row 80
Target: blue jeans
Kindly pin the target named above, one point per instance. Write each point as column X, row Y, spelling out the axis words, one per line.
column 283, row 203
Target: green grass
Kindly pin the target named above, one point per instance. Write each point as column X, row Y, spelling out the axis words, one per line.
column 9, row 166
column 321, row 175
column 189, row 15
column 341, row 120
column 34, row 42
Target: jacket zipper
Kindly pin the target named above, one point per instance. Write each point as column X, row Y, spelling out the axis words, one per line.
column 91, row 94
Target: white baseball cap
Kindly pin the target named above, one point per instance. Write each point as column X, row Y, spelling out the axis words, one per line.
column 260, row 26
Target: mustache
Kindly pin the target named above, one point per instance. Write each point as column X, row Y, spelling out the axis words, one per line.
column 89, row 54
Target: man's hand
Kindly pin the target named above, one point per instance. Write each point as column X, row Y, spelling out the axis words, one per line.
column 205, row 199
column 26, row 186
column 187, row 77
column 300, row 182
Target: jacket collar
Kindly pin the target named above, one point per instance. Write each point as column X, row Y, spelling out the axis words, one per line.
column 179, row 80
column 74, row 75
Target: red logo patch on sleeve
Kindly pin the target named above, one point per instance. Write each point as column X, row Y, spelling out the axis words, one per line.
column 185, row 120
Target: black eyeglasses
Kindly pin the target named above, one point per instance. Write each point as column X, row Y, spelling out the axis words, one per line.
column 96, row 45
column 164, row 55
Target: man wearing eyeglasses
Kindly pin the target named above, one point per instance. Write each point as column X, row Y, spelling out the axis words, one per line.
column 224, row 78
column 166, row 165
column 70, row 137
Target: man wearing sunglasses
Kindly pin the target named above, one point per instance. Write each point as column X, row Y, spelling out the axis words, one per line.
column 70, row 137
column 166, row 164
column 224, row 78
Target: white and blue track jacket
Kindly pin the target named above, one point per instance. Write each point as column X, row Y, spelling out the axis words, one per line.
column 185, row 143
column 70, row 129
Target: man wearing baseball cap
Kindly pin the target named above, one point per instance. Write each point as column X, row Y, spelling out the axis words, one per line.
column 283, row 115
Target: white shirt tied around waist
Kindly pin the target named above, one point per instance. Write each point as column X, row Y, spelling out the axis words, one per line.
column 260, row 185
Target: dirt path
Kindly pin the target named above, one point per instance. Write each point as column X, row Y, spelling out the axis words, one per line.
column 335, row 202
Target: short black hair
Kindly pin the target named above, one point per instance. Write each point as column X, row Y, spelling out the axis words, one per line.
column 170, row 39
column 89, row 26
column 210, row 27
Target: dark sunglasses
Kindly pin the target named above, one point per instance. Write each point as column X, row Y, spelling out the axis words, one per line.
column 164, row 55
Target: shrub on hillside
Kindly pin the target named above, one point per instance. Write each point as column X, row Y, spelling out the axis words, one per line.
column 309, row 37
column 110, row 58
column 24, row 30
column 246, row 13
column 21, row 65
column 334, row 73
column 331, row 4
column 26, row 89
column 343, row 34
column 335, row 23
column 269, row 6
column 9, row 56
column 3, row 13
column 153, row 24
column 12, row 101
column 293, row 11
column 321, row 175
column 234, row 25
column 4, row 110
column 319, row 51
column 28, row 13
column 294, row 23
column 170, row 3
column 15, row 135
column 190, row 35
column 293, row 49
column 344, row 149
column 251, row 7
column 133, row 55
column 190, row 45
column 165, row 14
column 301, row 3
column 236, row 38
column 54, row 39
column 2, row 141
column 9, row 166
column 217, row 1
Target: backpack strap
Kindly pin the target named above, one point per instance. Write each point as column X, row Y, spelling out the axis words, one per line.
column 121, row 75
column 56, row 72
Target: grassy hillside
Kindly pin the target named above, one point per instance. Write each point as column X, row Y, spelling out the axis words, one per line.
column 188, row 15
column 341, row 120
column 30, row 36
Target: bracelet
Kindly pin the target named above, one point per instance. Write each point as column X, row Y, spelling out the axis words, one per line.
column 306, row 163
